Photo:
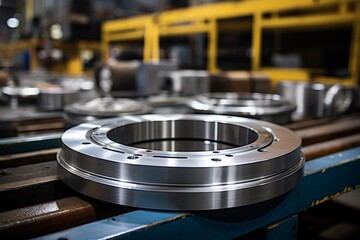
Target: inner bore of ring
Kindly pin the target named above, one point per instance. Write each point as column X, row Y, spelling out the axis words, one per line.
column 183, row 135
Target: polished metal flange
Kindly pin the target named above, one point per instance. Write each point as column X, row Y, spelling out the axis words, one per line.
column 105, row 107
column 181, row 162
column 267, row 107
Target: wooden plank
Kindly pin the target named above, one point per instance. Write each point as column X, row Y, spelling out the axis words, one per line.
column 40, row 126
column 305, row 123
column 30, row 184
column 27, row 175
column 329, row 131
column 44, row 218
column 20, row 159
column 52, row 216
column 313, row 122
column 328, row 147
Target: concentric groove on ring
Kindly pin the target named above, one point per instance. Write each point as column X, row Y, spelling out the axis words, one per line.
column 178, row 178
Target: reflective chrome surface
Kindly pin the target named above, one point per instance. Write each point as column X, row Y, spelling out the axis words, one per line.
column 338, row 100
column 316, row 99
column 268, row 107
column 54, row 99
column 98, row 108
column 181, row 162
column 185, row 82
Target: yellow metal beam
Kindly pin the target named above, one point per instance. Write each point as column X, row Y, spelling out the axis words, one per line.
column 334, row 80
column 155, row 41
column 217, row 11
column 105, row 48
column 149, row 36
column 280, row 74
column 256, row 42
column 184, row 30
column 125, row 36
column 239, row 8
column 354, row 58
column 128, row 23
column 29, row 10
column 212, row 46
column 308, row 21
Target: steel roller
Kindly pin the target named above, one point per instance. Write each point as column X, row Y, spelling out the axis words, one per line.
column 181, row 162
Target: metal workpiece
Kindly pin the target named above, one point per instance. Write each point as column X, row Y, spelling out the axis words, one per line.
column 89, row 110
column 317, row 99
column 114, row 76
column 338, row 100
column 181, row 162
column 267, row 107
column 54, row 99
column 186, row 82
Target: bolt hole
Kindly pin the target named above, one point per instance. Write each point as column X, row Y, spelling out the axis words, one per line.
column 114, row 219
column 148, row 150
column 276, row 139
column 132, row 157
column 216, row 152
column 216, row 159
column 252, row 146
column 85, row 143
column 229, row 155
column 262, row 150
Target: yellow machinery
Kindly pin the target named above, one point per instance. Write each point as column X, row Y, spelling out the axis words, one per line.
column 74, row 51
column 265, row 14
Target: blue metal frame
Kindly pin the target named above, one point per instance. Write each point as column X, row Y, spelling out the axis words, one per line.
column 324, row 178
column 27, row 144
column 284, row 230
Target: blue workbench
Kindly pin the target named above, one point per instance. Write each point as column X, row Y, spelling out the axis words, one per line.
column 324, row 179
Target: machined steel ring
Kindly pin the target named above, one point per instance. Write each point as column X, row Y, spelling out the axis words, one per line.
column 181, row 162
column 267, row 107
column 105, row 107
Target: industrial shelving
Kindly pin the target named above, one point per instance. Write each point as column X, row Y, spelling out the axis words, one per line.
column 265, row 15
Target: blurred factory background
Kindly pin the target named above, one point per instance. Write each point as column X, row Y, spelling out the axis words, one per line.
column 63, row 63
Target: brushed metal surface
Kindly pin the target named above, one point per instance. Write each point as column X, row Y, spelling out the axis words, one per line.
column 181, row 162
column 105, row 107
column 317, row 99
column 267, row 107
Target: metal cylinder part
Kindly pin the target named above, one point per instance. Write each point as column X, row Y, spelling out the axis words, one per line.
column 119, row 75
column 186, row 82
column 267, row 107
column 181, row 162
column 338, row 100
column 317, row 99
column 89, row 110
column 54, row 99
